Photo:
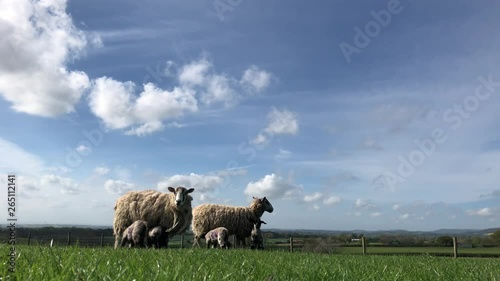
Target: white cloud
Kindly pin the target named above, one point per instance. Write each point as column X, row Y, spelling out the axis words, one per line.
column 280, row 122
column 66, row 185
column 256, row 80
column 38, row 39
column 375, row 214
column 484, row 212
column 332, row 200
column 404, row 216
column 118, row 187
column 101, row 170
column 83, row 149
column 364, row 204
column 146, row 129
column 219, row 90
column 283, row 154
column 396, row 207
column 273, row 187
column 195, row 73
column 201, row 183
column 214, row 88
column 118, row 105
column 313, row 197
column 115, row 104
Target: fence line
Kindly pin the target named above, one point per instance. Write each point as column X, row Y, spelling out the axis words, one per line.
column 293, row 244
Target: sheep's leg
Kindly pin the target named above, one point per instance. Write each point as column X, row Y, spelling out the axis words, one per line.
column 117, row 240
column 124, row 241
column 197, row 239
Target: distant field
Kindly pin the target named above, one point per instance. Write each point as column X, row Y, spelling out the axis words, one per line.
column 75, row 263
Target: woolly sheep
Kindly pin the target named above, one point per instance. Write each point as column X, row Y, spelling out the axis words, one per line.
column 158, row 237
column 235, row 218
column 136, row 234
column 256, row 239
column 218, row 236
column 172, row 211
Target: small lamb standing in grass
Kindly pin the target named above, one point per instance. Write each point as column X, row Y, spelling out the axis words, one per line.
column 256, row 239
column 158, row 237
column 136, row 234
column 218, row 236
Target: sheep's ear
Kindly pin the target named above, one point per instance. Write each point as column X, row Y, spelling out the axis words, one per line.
column 263, row 222
column 190, row 190
column 171, row 189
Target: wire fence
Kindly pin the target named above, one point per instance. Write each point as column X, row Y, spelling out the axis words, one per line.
column 291, row 244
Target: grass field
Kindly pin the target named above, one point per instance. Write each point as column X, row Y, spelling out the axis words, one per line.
column 75, row 263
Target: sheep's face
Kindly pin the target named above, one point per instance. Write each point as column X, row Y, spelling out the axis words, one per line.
column 155, row 233
column 181, row 194
column 268, row 207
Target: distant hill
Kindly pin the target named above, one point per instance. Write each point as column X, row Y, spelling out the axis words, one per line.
column 453, row 232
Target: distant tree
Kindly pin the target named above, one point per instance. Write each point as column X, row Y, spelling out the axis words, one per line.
column 345, row 238
column 496, row 237
column 444, row 240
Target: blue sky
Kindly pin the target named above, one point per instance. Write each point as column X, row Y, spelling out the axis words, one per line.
column 345, row 114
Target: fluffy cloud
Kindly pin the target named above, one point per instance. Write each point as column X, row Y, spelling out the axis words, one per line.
column 201, row 183
column 66, row 185
column 485, row 212
column 118, row 187
column 332, row 200
column 283, row 154
column 313, row 197
column 83, row 149
column 375, row 214
column 404, row 216
column 101, row 170
column 117, row 106
column 273, row 187
column 38, row 39
column 255, row 79
column 280, row 122
column 364, row 204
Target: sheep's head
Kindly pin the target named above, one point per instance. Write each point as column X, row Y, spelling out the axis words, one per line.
column 155, row 232
column 267, row 206
column 257, row 223
column 181, row 194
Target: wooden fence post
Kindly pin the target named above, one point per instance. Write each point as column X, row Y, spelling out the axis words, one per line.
column 29, row 238
column 182, row 241
column 363, row 245
column 234, row 241
column 102, row 239
column 455, row 247
column 69, row 238
column 291, row 244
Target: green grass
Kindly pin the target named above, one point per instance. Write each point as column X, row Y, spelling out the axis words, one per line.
column 75, row 263
column 419, row 250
